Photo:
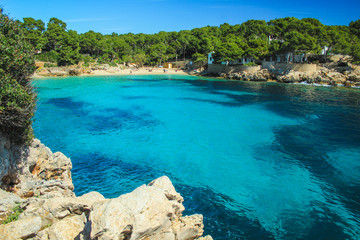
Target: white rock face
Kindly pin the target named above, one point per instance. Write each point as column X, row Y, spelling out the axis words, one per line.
column 41, row 184
column 92, row 197
column 7, row 202
column 149, row 212
column 67, row 229
column 24, row 228
column 34, row 170
column 330, row 75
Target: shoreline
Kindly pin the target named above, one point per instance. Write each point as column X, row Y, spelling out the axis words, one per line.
column 296, row 78
column 111, row 72
column 142, row 71
column 304, row 83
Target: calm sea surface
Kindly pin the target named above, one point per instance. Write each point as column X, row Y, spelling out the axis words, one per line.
column 258, row 160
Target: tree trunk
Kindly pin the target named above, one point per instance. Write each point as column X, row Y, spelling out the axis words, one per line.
column 184, row 52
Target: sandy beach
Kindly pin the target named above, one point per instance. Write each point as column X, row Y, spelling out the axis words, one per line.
column 138, row 71
column 61, row 72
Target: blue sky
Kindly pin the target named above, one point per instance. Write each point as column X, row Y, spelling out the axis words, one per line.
column 151, row 16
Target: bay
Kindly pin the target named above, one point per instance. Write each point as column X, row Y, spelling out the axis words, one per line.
column 258, row 160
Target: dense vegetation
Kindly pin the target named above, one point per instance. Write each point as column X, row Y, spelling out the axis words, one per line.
column 250, row 39
column 17, row 99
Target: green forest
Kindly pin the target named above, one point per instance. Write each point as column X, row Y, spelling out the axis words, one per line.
column 17, row 98
column 66, row 47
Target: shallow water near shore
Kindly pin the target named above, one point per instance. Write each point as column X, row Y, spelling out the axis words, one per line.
column 258, row 160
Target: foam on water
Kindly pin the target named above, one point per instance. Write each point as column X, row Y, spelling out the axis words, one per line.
column 259, row 160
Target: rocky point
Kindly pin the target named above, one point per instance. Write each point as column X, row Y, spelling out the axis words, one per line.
column 37, row 195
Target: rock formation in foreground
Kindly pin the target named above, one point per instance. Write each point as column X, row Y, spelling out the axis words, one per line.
column 39, row 188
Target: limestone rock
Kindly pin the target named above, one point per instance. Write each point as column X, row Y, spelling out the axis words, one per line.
column 74, row 72
column 189, row 227
column 43, row 186
column 147, row 212
column 34, row 170
column 62, row 207
column 54, row 209
column 42, row 72
column 92, row 197
column 7, row 202
column 67, row 229
column 208, row 237
column 337, row 77
column 354, row 77
column 58, row 71
column 152, row 211
column 327, row 74
column 165, row 184
column 129, row 215
column 9, row 163
column 24, row 228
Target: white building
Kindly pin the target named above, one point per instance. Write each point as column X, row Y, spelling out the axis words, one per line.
column 210, row 58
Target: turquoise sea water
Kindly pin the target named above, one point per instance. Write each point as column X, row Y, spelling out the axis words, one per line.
column 258, row 160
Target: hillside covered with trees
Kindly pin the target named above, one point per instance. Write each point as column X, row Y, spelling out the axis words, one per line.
column 56, row 43
column 17, row 98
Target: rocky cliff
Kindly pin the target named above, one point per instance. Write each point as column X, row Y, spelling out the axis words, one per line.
column 34, row 170
column 37, row 202
column 331, row 74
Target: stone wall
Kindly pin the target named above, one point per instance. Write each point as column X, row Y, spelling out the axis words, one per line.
column 221, row 68
column 231, row 69
column 282, row 68
column 216, row 68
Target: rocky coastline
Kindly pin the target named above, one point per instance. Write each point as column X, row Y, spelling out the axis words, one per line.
column 37, row 202
column 328, row 75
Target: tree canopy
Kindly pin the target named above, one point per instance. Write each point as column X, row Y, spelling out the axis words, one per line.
column 254, row 38
column 17, row 99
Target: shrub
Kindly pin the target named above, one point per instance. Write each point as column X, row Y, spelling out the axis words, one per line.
column 112, row 64
column 51, row 56
column 50, row 65
column 17, row 98
column 86, row 58
column 14, row 216
column 250, row 64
